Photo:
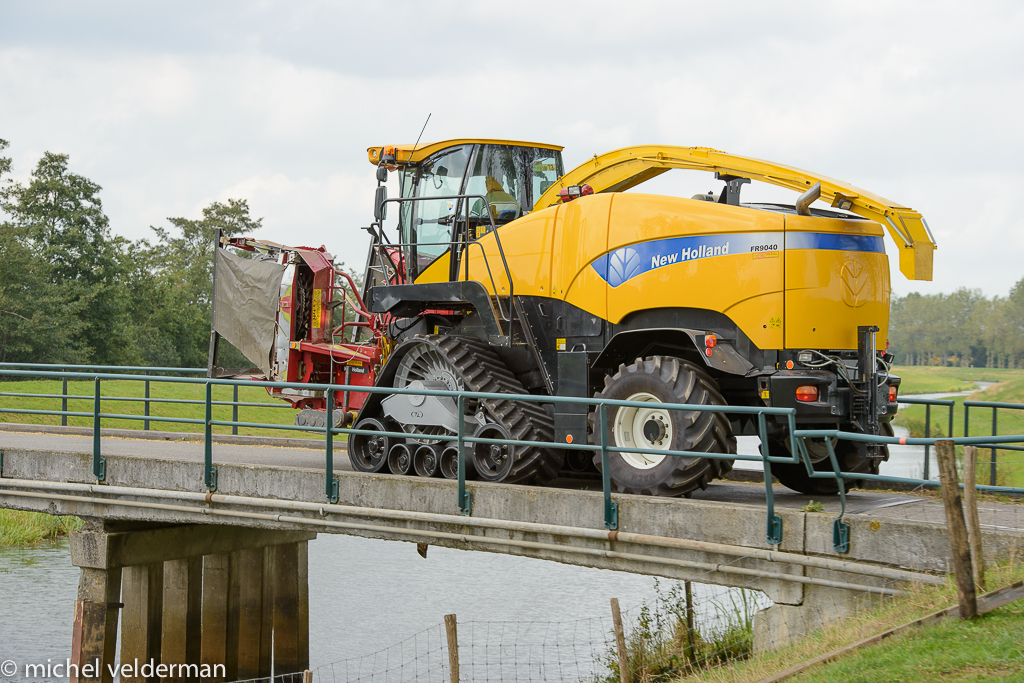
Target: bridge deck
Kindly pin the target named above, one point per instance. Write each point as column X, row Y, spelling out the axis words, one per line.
column 268, row 451
column 890, row 530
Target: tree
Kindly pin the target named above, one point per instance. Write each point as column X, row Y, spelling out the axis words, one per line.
column 40, row 320
column 177, row 274
column 59, row 217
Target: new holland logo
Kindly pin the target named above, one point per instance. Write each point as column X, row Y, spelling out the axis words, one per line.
column 624, row 264
column 855, row 283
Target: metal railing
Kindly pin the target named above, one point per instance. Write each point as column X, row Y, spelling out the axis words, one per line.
column 928, row 403
column 798, row 452
column 995, row 406
column 992, row 444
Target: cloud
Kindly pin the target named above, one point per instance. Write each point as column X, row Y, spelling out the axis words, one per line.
column 170, row 107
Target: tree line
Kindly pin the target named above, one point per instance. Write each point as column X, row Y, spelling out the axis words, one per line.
column 72, row 292
column 963, row 328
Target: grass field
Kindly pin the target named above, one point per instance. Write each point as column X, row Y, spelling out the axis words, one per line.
column 283, row 415
column 1010, row 464
column 990, row 648
column 919, row 379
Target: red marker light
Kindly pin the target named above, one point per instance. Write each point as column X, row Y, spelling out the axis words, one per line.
column 708, row 351
column 892, row 394
column 807, row 393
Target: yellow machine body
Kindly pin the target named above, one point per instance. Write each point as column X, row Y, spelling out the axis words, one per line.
column 787, row 281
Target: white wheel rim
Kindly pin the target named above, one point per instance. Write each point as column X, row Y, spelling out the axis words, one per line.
column 628, row 431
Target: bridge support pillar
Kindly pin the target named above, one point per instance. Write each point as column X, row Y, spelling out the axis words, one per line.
column 291, row 608
column 182, row 601
column 142, row 595
column 781, row 624
column 94, row 635
column 216, row 591
column 233, row 598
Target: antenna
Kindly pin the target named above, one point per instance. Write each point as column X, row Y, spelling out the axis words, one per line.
column 420, row 136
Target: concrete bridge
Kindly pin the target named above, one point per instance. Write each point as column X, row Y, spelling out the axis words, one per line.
column 220, row 578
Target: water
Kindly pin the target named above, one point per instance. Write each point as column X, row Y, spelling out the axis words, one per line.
column 365, row 595
column 38, row 587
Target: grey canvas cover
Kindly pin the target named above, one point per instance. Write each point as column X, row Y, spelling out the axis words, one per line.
column 246, row 294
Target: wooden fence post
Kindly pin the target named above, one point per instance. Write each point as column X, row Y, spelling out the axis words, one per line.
column 958, row 544
column 692, row 654
column 620, row 642
column 451, row 631
column 971, row 510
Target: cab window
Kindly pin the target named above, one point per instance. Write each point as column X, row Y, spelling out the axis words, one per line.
column 427, row 225
column 511, row 179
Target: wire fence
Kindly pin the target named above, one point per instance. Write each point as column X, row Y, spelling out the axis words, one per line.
column 683, row 630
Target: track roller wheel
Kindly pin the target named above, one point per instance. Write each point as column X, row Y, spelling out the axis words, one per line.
column 450, row 464
column 848, row 455
column 492, row 461
column 654, row 380
column 426, row 460
column 400, row 459
column 369, row 453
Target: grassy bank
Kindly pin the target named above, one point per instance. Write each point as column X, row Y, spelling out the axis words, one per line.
column 988, row 649
column 982, row 650
column 1010, row 464
column 158, row 390
column 23, row 528
column 661, row 646
column 919, row 379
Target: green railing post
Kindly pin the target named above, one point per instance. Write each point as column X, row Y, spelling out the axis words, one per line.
column 611, row 510
column 840, row 529
column 774, row 532
column 928, row 434
column 992, row 466
column 330, row 483
column 210, row 470
column 465, row 497
column 234, row 411
column 951, row 407
column 64, row 403
column 99, row 464
column 145, row 423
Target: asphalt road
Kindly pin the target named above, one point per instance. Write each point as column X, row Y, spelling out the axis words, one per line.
column 876, row 504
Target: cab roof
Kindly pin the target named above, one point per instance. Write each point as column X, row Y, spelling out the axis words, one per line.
column 404, row 154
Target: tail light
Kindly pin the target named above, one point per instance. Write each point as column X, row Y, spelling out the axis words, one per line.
column 807, row 393
column 892, row 393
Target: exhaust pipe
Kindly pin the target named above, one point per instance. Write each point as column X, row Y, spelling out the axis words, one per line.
column 803, row 202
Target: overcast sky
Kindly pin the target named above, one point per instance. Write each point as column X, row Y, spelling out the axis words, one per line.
column 171, row 106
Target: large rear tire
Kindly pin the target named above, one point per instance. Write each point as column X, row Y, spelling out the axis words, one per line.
column 663, row 379
column 850, row 460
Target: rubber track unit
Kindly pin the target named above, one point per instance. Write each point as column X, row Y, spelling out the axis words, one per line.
column 481, row 370
column 708, row 432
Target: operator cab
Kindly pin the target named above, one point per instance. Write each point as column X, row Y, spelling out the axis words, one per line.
column 461, row 188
